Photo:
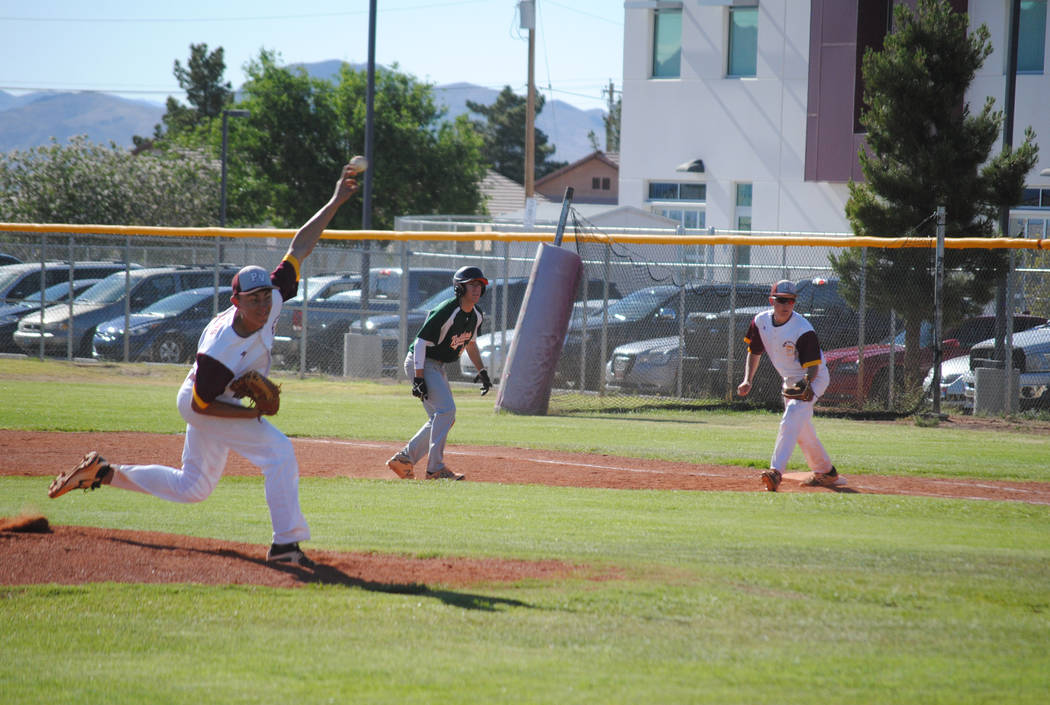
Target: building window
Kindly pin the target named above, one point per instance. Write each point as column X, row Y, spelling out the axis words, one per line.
column 667, row 43
column 1031, row 36
column 606, row 183
column 596, row 183
column 681, row 202
column 743, row 41
column 1035, row 198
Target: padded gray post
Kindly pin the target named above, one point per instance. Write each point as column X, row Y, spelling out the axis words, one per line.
column 539, row 335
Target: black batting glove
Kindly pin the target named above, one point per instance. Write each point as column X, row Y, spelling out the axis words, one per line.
column 486, row 384
column 419, row 388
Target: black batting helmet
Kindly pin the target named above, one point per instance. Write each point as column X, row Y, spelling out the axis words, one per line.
column 468, row 274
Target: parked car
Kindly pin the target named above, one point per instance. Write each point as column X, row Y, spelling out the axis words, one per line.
column 844, row 363
column 651, row 366
column 8, row 259
column 329, row 319
column 955, row 375
column 835, row 322
column 389, row 326
column 11, row 314
column 1031, row 356
column 104, row 301
column 494, row 346
column 290, row 322
column 17, row 281
column 165, row 331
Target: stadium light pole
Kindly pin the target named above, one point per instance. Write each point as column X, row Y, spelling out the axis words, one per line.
column 225, row 133
column 226, row 114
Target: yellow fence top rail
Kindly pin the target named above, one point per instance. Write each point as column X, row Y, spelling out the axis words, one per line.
column 496, row 236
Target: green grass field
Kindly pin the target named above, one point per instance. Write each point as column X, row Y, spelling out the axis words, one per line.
column 724, row 597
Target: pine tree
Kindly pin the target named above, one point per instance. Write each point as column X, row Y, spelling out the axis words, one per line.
column 926, row 149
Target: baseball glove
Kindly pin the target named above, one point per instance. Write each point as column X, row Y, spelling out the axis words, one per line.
column 797, row 390
column 264, row 394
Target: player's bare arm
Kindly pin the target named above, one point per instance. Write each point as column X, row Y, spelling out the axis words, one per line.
column 474, row 354
column 749, row 374
column 307, row 236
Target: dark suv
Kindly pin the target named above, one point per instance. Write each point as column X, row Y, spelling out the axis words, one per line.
column 17, row 281
column 651, row 366
column 105, row 300
column 836, row 323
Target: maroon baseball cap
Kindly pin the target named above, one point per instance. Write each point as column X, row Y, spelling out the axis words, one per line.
column 251, row 278
column 784, row 289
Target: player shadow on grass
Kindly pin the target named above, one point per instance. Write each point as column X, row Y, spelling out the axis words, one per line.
column 321, row 574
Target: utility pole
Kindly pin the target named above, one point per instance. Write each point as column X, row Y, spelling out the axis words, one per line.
column 612, row 121
column 527, row 12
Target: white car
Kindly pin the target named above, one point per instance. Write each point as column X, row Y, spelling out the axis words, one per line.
column 494, row 346
column 955, row 375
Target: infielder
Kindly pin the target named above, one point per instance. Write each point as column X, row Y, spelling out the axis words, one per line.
column 449, row 329
column 236, row 341
column 794, row 350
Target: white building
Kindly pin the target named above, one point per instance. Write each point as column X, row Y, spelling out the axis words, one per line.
column 742, row 114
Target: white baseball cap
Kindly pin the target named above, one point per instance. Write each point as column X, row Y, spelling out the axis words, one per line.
column 251, row 278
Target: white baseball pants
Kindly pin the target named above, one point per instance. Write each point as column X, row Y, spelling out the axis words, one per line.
column 209, row 439
column 796, row 426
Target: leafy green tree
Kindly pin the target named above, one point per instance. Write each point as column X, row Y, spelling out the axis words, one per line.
column 301, row 130
column 84, row 182
column 927, row 149
column 503, row 132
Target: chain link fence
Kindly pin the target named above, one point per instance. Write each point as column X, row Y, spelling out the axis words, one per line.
column 659, row 321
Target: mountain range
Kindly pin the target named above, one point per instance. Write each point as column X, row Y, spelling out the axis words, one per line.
column 34, row 119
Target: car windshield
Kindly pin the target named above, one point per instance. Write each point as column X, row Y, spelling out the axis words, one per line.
column 313, row 286
column 107, row 291
column 437, row 299
column 637, row 304
column 181, row 301
column 9, row 278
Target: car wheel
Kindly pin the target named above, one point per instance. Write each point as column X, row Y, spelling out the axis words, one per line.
column 170, row 348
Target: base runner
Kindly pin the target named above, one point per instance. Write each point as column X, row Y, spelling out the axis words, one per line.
column 451, row 328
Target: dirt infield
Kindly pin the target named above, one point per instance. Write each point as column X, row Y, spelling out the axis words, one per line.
column 72, row 555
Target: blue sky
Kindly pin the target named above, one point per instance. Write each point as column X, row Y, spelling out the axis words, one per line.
column 128, row 47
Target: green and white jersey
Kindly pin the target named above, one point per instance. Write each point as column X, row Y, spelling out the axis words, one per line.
column 447, row 331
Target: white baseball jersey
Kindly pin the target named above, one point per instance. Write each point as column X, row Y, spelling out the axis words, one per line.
column 791, row 346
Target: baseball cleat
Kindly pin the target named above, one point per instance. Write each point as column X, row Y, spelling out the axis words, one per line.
column 88, row 475
column 287, row 553
column 443, row 474
column 771, row 479
column 401, row 466
column 822, row 479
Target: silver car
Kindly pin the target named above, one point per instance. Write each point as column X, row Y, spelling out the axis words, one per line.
column 646, row 366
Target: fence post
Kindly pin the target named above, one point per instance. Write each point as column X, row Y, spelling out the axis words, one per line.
column 863, row 310
column 938, row 292
column 731, row 343
column 1009, row 395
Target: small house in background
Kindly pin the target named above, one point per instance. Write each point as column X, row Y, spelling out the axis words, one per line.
column 594, row 179
column 503, row 195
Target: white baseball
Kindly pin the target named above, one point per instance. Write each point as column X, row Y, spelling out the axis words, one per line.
column 358, row 164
